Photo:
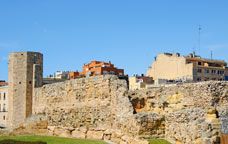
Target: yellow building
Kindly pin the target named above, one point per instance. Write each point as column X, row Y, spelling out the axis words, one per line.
column 186, row 68
column 3, row 106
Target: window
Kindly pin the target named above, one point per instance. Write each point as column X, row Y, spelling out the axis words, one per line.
column 213, row 71
column 4, row 108
column 199, row 70
column 198, row 79
column 4, row 96
column 206, row 71
column 4, row 117
column 199, row 63
column 105, row 72
column 35, row 58
column 220, row 72
column 112, row 72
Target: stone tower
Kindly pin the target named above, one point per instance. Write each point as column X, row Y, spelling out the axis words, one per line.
column 25, row 72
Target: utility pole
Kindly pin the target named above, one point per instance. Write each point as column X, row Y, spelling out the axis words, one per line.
column 193, row 50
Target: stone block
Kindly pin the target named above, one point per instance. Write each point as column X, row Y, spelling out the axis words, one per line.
column 107, row 136
column 116, row 140
column 83, row 129
column 42, row 125
column 78, row 134
column 117, row 134
column 95, row 135
column 126, row 138
column 51, row 128
column 61, row 132
column 198, row 141
column 123, row 142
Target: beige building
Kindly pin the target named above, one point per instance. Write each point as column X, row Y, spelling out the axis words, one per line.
column 139, row 82
column 3, row 106
column 169, row 66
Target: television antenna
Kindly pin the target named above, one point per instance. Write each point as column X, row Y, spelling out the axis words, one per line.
column 199, row 40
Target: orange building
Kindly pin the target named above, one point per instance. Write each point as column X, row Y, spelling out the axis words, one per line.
column 73, row 75
column 95, row 68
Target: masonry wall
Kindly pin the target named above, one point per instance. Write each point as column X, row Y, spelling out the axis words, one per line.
column 83, row 102
column 193, row 113
column 103, row 108
column 96, row 107
column 22, row 78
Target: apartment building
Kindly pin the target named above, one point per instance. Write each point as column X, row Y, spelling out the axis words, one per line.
column 95, row 68
column 3, row 106
column 169, row 66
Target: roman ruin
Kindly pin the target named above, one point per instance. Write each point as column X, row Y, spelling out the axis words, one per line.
column 102, row 107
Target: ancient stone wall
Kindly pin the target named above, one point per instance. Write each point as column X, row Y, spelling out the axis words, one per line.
column 95, row 107
column 193, row 113
column 103, row 108
column 83, row 102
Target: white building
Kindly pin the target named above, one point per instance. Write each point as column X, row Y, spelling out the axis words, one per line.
column 60, row 75
column 3, row 106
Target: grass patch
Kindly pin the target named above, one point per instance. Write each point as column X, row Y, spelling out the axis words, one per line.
column 19, row 142
column 51, row 140
column 158, row 141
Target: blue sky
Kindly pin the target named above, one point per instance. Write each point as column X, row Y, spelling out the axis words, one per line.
column 129, row 33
